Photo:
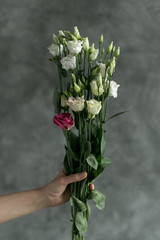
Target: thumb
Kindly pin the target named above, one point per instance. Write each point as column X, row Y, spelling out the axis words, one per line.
column 75, row 177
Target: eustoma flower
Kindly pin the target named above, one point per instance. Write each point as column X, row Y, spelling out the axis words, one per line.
column 113, row 89
column 93, row 107
column 96, row 86
column 76, row 104
column 64, row 121
column 102, row 69
column 74, row 47
column 69, row 62
column 55, row 50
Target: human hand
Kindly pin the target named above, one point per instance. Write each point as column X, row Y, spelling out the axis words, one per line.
column 58, row 191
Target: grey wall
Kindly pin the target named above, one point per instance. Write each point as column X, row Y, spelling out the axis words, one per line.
column 32, row 147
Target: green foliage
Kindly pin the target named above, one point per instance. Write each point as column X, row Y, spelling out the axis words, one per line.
column 86, row 149
column 81, row 223
column 92, row 161
column 78, row 204
column 98, row 198
column 105, row 161
column 115, row 115
column 88, row 212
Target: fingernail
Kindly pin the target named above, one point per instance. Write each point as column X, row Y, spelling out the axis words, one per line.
column 82, row 174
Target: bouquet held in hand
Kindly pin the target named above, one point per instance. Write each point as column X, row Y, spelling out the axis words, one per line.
column 81, row 107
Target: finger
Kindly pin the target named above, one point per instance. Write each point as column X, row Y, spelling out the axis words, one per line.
column 91, row 186
column 75, row 177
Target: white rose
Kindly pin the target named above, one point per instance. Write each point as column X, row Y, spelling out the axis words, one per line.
column 94, row 88
column 113, row 89
column 102, row 68
column 76, row 104
column 74, row 47
column 93, row 106
column 69, row 62
column 63, row 100
column 54, row 49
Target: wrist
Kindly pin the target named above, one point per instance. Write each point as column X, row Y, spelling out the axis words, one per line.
column 44, row 197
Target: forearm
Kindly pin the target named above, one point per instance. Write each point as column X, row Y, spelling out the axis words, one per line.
column 14, row 205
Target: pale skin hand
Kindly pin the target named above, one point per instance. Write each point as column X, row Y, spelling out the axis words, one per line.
column 56, row 192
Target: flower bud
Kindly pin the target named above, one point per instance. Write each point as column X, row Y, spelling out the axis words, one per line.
column 101, row 39
column 68, row 33
column 91, row 49
column 55, row 39
column 76, row 33
column 71, row 89
column 94, row 72
column 93, row 55
column 113, row 50
column 73, row 77
column 85, row 44
column 96, row 90
column 61, row 37
column 109, row 48
column 76, row 88
column 112, row 66
column 80, row 84
column 117, row 52
column 63, row 100
column 99, row 80
column 83, row 79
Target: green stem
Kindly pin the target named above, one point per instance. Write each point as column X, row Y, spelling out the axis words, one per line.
column 60, row 77
column 106, row 105
column 84, row 63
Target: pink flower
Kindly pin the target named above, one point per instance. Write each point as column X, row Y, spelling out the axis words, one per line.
column 64, row 121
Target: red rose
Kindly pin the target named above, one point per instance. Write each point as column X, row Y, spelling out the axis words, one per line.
column 64, row 121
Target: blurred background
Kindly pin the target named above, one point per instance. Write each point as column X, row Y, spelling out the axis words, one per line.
column 32, row 147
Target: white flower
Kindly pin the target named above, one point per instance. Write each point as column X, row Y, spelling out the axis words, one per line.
column 74, row 47
column 76, row 104
column 86, row 44
column 63, row 100
column 69, row 62
column 113, row 89
column 94, row 88
column 94, row 55
column 102, row 69
column 93, row 106
column 54, row 49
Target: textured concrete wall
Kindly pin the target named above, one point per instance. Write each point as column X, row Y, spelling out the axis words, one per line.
column 31, row 146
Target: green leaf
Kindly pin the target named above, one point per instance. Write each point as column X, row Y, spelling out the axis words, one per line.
column 81, row 223
column 73, row 154
column 86, row 149
column 105, row 161
column 117, row 114
column 81, row 206
column 57, row 101
column 103, row 143
column 88, row 212
column 98, row 198
column 101, row 138
column 95, row 146
column 92, row 161
column 96, row 173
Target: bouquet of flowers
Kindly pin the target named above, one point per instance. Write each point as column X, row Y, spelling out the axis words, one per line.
column 81, row 104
